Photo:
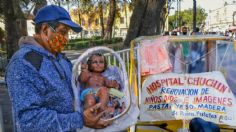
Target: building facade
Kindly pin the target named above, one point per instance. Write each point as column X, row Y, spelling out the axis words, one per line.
column 91, row 22
column 220, row 19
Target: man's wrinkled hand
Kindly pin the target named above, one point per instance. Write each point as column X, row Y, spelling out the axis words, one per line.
column 92, row 119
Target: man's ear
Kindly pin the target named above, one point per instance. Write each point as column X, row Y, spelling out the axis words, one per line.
column 44, row 29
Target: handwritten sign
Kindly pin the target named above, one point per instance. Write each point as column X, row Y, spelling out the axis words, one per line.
column 184, row 96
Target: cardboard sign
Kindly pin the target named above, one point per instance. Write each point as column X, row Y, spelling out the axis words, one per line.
column 184, row 96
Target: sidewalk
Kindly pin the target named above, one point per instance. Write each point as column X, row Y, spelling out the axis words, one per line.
column 6, row 108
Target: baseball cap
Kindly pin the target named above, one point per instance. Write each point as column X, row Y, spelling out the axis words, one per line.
column 199, row 125
column 57, row 14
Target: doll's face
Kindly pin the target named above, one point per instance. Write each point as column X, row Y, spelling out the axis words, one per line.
column 97, row 63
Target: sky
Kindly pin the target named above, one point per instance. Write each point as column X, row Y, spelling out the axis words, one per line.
column 206, row 4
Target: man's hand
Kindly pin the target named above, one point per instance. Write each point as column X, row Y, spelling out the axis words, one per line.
column 92, row 119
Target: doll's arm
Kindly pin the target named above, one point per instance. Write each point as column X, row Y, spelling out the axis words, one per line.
column 85, row 74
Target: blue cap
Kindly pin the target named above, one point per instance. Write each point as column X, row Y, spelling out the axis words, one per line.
column 56, row 14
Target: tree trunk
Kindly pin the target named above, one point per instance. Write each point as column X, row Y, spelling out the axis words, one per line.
column 150, row 19
column 79, row 15
column 15, row 25
column 164, row 16
column 1, row 7
column 126, row 15
column 2, row 31
column 39, row 4
column 136, row 20
column 161, row 12
column 101, row 19
column 111, row 19
column 80, row 23
column 194, row 15
column 145, row 20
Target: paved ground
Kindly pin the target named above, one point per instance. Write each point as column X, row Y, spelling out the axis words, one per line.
column 73, row 54
column 5, row 108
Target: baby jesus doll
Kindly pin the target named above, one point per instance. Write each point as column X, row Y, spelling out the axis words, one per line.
column 96, row 85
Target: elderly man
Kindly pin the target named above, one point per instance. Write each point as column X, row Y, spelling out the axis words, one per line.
column 39, row 78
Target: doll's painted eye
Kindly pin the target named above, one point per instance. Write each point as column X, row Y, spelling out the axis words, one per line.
column 97, row 62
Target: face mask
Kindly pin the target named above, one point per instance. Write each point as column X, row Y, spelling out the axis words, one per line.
column 58, row 43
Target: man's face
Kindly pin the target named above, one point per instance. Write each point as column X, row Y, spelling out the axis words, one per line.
column 184, row 31
column 60, row 29
column 58, row 37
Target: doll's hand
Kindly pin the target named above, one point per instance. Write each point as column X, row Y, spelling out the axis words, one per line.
column 112, row 84
column 85, row 74
column 84, row 66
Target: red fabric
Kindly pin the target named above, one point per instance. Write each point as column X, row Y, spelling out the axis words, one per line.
column 154, row 56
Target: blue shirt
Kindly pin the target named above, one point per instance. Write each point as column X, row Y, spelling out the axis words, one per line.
column 40, row 89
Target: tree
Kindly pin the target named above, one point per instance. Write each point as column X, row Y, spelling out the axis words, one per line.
column 111, row 19
column 2, row 41
column 15, row 25
column 90, row 9
column 38, row 5
column 100, row 10
column 165, row 13
column 125, row 5
column 1, row 8
column 186, row 17
column 116, row 7
column 15, row 21
column 2, row 32
column 145, row 20
column 106, row 10
column 123, row 10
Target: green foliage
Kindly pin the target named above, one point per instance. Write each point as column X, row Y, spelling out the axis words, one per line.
column 85, row 39
column 96, row 37
column 79, row 39
column 118, row 39
column 186, row 18
column 99, row 42
column 76, row 44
